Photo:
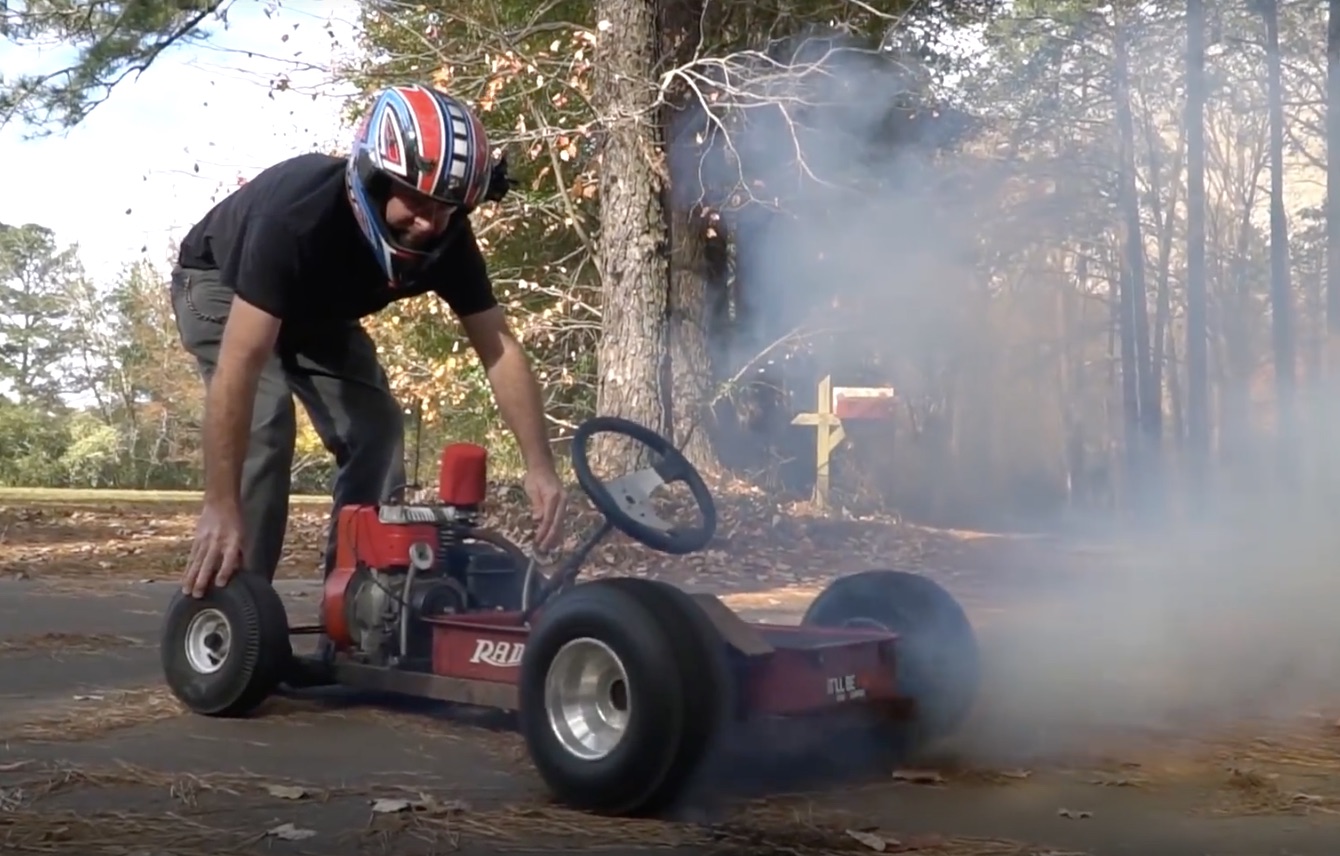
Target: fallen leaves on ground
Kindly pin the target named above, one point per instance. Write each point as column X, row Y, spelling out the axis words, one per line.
column 759, row 545
column 1249, row 791
column 764, row 555
column 1108, row 780
column 31, row 822
column 759, row 827
column 919, row 777
column 134, row 542
column 92, row 714
column 30, row 782
column 1279, row 767
column 1285, row 765
column 98, row 714
column 68, row 643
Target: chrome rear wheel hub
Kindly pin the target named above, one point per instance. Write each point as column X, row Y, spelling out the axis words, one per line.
column 586, row 695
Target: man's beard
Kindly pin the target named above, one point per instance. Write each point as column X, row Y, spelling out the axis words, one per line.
column 406, row 239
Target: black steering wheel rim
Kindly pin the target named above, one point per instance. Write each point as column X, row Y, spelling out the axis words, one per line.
column 673, row 467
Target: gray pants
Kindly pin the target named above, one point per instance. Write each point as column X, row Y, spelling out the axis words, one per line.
column 332, row 369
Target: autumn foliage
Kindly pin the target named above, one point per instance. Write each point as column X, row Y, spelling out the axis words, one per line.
column 1024, row 279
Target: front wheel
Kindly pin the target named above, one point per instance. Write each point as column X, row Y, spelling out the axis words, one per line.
column 225, row 653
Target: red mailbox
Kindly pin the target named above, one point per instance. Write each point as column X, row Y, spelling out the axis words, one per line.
column 864, row 403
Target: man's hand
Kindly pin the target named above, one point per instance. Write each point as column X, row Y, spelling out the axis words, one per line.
column 217, row 552
column 547, row 500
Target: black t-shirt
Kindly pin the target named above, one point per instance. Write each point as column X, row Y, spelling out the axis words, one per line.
column 287, row 242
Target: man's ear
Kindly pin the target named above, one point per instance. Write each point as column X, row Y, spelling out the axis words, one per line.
column 499, row 183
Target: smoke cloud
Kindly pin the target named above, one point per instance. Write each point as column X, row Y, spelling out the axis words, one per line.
column 847, row 204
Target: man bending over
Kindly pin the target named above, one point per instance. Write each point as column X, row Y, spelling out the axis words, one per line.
column 269, row 290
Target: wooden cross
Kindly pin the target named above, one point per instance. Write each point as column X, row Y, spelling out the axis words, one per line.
column 831, row 433
column 838, row 404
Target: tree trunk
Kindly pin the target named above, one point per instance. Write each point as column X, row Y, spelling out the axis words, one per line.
column 1239, row 361
column 1130, row 380
column 1281, row 288
column 691, row 377
column 1135, row 311
column 1176, row 406
column 1067, row 395
column 631, row 255
column 1332, row 217
column 1122, row 426
column 1197, row 356
column 1333, row 183
column 1166, row 221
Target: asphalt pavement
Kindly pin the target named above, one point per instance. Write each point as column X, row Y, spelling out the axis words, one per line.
column 93, row 750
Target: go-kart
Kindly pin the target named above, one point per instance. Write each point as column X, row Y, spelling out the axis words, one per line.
column 622, row 687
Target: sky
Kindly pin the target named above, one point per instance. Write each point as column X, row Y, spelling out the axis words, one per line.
column 205, row 107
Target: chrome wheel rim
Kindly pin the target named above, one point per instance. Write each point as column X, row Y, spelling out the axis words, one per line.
column 586, row 696
column 209, row 638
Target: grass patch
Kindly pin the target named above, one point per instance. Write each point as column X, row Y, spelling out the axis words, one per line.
column 75, row 495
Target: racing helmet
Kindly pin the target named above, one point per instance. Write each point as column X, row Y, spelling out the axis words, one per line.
column 425, row 140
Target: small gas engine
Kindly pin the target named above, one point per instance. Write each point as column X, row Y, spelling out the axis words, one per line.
column 400, row 564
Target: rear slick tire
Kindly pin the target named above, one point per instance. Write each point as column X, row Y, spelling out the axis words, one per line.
column 225, row 653
column 631, row 746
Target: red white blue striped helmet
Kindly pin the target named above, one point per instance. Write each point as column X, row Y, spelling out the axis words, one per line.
column 422, row 139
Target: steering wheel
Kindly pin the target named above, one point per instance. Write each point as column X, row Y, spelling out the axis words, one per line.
column 626, row 501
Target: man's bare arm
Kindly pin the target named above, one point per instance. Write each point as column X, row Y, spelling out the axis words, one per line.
column 248, row 341
column 514, row 385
